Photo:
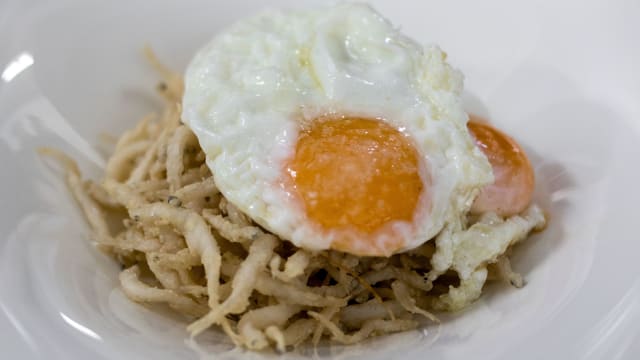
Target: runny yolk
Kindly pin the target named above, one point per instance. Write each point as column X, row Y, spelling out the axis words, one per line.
column 513, row 187
column 356, row 174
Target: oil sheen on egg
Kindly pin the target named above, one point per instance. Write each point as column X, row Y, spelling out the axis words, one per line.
column 333, row 130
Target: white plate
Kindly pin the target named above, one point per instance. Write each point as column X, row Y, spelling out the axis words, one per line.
column 561, row 77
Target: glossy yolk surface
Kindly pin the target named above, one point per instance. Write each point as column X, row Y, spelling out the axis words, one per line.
column 514, row 177
column 356, row 174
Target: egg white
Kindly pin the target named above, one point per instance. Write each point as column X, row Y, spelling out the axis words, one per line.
column 250, row 88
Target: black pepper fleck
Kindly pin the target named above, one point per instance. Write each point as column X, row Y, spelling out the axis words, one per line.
column 174, row 200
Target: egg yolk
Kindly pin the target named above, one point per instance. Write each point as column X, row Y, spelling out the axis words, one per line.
column 356, row 174
column 513, row 187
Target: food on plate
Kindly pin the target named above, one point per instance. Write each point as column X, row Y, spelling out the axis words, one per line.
column 315, row 176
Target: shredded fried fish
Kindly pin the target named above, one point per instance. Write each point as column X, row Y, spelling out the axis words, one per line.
column 183, row 244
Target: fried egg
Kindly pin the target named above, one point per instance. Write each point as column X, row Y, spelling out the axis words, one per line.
column 333, row 130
